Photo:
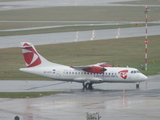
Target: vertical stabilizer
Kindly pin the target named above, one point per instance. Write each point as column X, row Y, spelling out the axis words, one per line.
column 32, row 58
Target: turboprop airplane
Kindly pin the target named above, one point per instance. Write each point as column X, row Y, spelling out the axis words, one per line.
column 87, row 75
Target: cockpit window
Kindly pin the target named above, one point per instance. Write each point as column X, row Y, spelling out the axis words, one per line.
column 138, row 71
column 133, row 71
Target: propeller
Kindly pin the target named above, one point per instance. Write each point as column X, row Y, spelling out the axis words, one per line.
column 103, row 70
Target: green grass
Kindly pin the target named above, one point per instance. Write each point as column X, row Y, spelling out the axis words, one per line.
column 123, row 52
column 80, row 13
column 26, row 94
column 24, row 24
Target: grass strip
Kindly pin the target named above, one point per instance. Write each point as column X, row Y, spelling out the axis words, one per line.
column 26, row 94
column 124, row 52
column 81, row 13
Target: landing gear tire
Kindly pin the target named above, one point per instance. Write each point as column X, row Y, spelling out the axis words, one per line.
column 137, row 85
column 87, row 85
column 90, row 86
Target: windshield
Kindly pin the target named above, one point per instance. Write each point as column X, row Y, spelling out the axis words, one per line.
column 135, row 71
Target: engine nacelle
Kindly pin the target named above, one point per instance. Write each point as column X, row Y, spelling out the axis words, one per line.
column 95, row 69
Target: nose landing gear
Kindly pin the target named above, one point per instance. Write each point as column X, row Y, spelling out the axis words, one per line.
column 137, row 85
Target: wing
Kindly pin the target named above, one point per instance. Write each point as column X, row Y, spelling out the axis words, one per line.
column 95, row 68
column 80, row 67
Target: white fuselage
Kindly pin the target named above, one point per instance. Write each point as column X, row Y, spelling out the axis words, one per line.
column 88, row 74
column 66, row 73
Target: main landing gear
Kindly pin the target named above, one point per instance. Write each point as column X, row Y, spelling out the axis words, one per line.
column 87, row 85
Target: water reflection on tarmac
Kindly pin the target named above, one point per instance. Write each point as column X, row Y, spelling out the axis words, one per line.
column 113, row 101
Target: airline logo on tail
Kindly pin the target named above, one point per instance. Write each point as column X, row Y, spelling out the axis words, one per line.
column 123, row 74
column 30, row 55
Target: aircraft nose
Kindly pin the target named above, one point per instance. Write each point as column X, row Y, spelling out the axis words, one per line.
column 144, row 77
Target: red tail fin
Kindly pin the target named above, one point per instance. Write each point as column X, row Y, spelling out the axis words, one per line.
column 30, row 55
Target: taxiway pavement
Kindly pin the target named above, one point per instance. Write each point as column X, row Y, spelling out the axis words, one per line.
column 111, row 100
column 54, row 38
column 14, row 5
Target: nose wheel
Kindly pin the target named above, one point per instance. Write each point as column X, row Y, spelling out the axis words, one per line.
column 137, row 85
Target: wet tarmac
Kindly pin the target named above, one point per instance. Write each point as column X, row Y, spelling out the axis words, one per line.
column 54, row 38
column 14, row 5
column 111, row 100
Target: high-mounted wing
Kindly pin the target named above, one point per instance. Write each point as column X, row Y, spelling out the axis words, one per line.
column 96, row 68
